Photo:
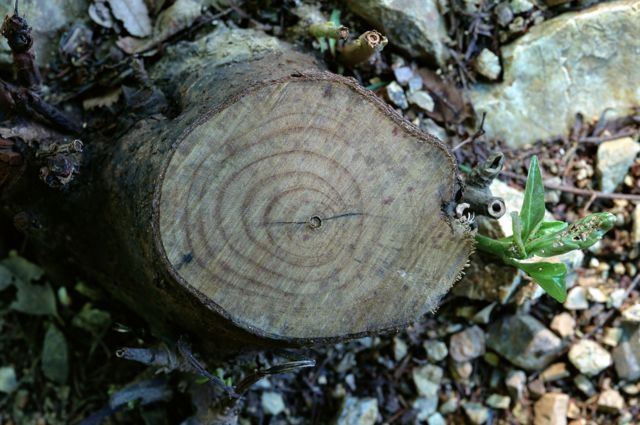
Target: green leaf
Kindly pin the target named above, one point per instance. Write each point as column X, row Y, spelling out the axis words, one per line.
column 55, row 356
column 549, row 228
column 532, row 212
column 21, row 268
column 335, row 18
column 550, row 276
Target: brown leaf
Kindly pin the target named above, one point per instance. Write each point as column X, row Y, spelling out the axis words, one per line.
column 134, row 15
column 450, row 103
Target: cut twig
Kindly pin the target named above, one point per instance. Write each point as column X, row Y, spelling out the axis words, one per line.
column 329, row 29
column 363, row 48
column 477, row 193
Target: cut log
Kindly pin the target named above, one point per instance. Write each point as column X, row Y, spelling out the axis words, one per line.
column 283, row 206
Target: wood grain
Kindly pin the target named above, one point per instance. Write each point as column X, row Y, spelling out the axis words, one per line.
column 305, row 209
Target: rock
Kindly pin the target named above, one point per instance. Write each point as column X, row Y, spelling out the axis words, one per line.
column 612, row 336
column 564, row 324
column 616, row 298
column 504, row 14
column 436, row 419
column 626, row 358
column 436, row 350
column 610, row 401
column 8, row 381
column 403, row 74
column 487, row 64
column 536, row 388
column 585, row 385
column 358, row 411
column 483, row 317
column 461, row 371
column 400, row 348
column 476, row 412
column 515, row 382
column 589, row 357
column 555, row 372
column 450, row 405
column 524, row 341
column 632, row 314
column 425, row 406
column 596, row 295
column 467, row 345
column 497, row 401
column 422, row 100
column 427, row 380
column 635, row 234
column 521, row 6
column 415, row 83
column 551, row 409
column 576, row 62
column 415, row 26
column 272, row 403
column 396, row 95
column 614, row 159
column 577, row 299
column 47, row 18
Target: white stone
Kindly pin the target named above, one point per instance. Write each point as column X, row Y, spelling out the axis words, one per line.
column 422, row 100
column 8, row 381
column 400, row 348
column 521, row 6
column 272, row 403
column 596, row 295
column 614, row 159
column 632, row 314
column 617, row 297
column 427, row 379
column 358, row 411
column 436, row 350
column 436, row 419
column 551, row 409
column 564, row 324
column 577, row 299
column 425, row 406
column 498, row 401
column 487, row 64
column 610, row 401
column 476, row 412
column 589, row 357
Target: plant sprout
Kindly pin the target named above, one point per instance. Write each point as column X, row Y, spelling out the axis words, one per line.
column 533, row 238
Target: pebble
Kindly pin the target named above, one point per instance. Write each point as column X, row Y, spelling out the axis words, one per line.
column 461, row 371
column 8, row 380
column 610, row 401
column 536, row 388
column 596, row 295
column 521, row 6
column 616, row 298
column 589, row 357
column 476, row 413
column 632, row 314
column 626, row 357
column 555, row 372
column 422, row 99
column 436, row 419
column 551, row 409
column 436, row 350
column 564, row 324
column 425, row 406
column 450, row 405
column 358, row 411
column 467, row 345
column 584, row 384
column 612, row 336
column 272, row 403
column 487, row 64
column 635, row 234
column 515, row 383
column 498, row 401
column 524, row 341
column 396, row 95
column 504, row 14
column 427, row 380
column 415, row 84
column 483, row 317
column 614, row 158
column 403, row 74
column 400, row 348
column 577, row 299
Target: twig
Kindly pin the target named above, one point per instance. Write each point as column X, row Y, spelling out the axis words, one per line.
column 600, row 139
column 479, row 133
column 362, row 49
column 329, row 30
column 577, row 191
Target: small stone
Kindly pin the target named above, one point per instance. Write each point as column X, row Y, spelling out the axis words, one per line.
column 626, row 357
column 564, row 324
column 487, row 64
column 610, row 401
column 422, row 100
column 555, row 372
column 632, row 314
column 585, row 385
column 504, row 14
column 589, row 357
column 635, row 218
column 522, row 413
column 521, row 6
column 498, row 401
column 272, row 403
column 461, row 371
column 436, row 350
column 450, row 405
column 358, row 411
column 614, row 158
column 415, row 84
column 551, row 409
column 515, row 383
column 476, row 412
column 616, row 298
column 427, row 380
column 400, row 348
column 483, row 317
column 573, row 412
column 632, row 389
column 619, row 269
column 8, row 380
column 577, row 299
column 467, row 345
column 403, row 74
column 396, row 95
column 492, row 359
column 612, row 336
column 436, row 419
column 596, row 295
column 425, row 406
column 524, row 341
column 537, row 388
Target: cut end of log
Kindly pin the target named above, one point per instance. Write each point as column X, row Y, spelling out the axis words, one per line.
column 305, row 209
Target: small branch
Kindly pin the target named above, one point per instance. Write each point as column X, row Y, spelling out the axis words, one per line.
column 477, row 193
column 474, row 136
column 362, row 49
column 329, row 30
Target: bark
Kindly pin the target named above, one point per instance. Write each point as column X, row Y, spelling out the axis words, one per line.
column 284, row 205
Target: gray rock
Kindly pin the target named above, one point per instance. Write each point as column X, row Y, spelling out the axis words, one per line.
column 427, row 380
column 515, row 382
column 577, row 62
column 589, row 357
column 585, row 385
column 403, row 74
column 272, row 403
column 498, row 401
column 415, row 26
column 476, row 412
column 524, row 341
column 461, row 372
column 436, row 419
column 425, row 407
column 614, row 159
column 358, row 411
column 551, row 409
column 436, row 350
column 8, row 381
column 400, row 348
column 422, row 99
column 504, row 14
column 467, row 345
column 521, row 6
column 487, row 64
column 396, row 95
column 47, row 18
column 626, row 357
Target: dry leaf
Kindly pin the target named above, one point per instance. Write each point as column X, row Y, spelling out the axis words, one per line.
column 134, row 15
column 450, row 103
column 100, row 14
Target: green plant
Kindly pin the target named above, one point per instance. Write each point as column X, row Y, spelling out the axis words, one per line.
column 533, row 238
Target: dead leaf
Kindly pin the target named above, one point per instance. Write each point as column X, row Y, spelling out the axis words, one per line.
column 182, row 14
column 450, row 103
column 134, row 15
column 100, row 14
column 55, row 356
column 102, row 101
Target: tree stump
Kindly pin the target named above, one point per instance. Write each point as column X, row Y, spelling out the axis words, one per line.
column 283, row 206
